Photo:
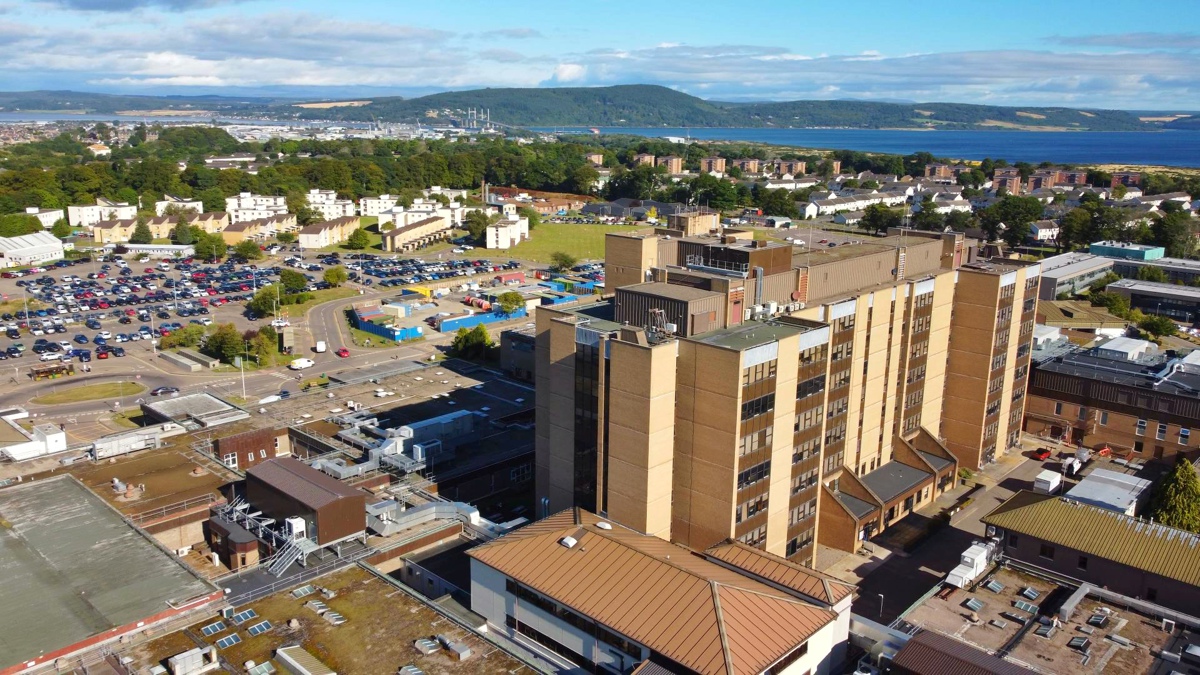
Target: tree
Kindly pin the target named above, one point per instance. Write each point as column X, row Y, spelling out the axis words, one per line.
column 286, row 237
column 265, row 345
column 1152, row 273
column 474, row 343
column 879, row 218
column 358, row 240
column 182, row 234
column 189, row 336
column 928, row 218
column 476, row 223
column 561, row 261
column 1072, row 229
column 1158, row 326
column 225, row 343
column 141, row 233
column 265, row 301
column 1176, row 502
column 510, row 301
column 335, row 276
column 1117, row 305
column 959, row 221
column 293, row 281
column 529, row 214
column 210, row 246
column 61, row 229
column 1175, row 233
column 248, row 250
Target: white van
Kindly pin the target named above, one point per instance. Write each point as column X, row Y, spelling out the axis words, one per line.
column 321, row 346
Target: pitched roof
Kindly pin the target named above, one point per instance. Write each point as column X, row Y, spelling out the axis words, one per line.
column 1155, row 548
column 302, row 482
column 784, row 572
column 704, row 616
column 317, row 228
column 931, row 653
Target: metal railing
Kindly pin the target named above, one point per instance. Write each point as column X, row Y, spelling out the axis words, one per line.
column 169, row 509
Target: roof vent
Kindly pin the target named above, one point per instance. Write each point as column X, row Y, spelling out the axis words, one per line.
column 569, row 542
column 604, row 526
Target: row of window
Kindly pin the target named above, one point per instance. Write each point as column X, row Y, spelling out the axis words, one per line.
column 921, row 324
column 579, row 621
column 805, row 450
column 920, row 349
column 799, row 543
column 756, row 537
column 759, row 406
column 803, row 512
column 757, row 440
column 754, row 474
column 810, row 387
column 809, row 418
column 804, row 481
column 759, row 372
column 842, row 351
column 840, row 379
column 838, row 407
column 751, row 507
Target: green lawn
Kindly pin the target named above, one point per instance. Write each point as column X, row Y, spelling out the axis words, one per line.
column 297, row 311
column 585, row 242
column 369, row 223
column 91, row 392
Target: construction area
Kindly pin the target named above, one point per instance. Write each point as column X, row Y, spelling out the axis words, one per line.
column 81, row 575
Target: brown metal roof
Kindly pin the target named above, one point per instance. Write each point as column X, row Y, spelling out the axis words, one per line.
column 1155, row 548
column 302, row 482
column 778, row 570
column 701, row 615
column 931, row 653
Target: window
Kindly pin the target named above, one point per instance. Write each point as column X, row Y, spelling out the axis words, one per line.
column 1083, row 562
column 842, row 351
column 803, row 512
column 262, row 453
column 809, row 418
column 758, row 406
column 788, row 660
column 915, row 375
column 999, row 360
column 759, row 372
column 809, row 387
column 804, row 481
column 844, row 323
column 230, row 460
column 754, row 474
column 920, row 349
column 805, row 450
column 1162, row 432
column 751, row 507
column 1152, row 594
column 520, row 474
column 1012, row 540
column 842, row 378
column 1058, row 408
column 1083, row 412
column 1184, row 436
column 1103, row 418
column 1046, row 551
column 838, row 407
column 835, row 433
column 1141, row 428
column 757, row 440
column 755, row 537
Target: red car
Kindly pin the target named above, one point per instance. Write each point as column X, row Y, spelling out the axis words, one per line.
column 343, row 352
column 1041, row 454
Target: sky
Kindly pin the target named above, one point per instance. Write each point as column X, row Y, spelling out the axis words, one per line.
column 1133, row 55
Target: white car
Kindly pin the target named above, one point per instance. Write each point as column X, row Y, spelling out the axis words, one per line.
column 206, row 321
column 280, row 323
column 104, row 334
column 301, row 364
column 51, row 356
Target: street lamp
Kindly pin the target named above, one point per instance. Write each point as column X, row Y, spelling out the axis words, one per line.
column 881, row 605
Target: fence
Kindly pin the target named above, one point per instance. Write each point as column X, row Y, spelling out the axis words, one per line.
column 172, row 509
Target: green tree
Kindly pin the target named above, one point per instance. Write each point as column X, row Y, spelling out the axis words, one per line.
column 510, row 301
column 248, row 250
column 335, row 276
column 141, row 233
column 529, row 214
column 293, row 281
column 265, row 301
column 1152, row 273
column 928, row 218
column 473, row 344
column 210, row 246
column 1117, row 305
column 286, row 237
column 476, row 223
column 879, row 218
column 224, row 343
column 358, row 240
column 561, row 261
column 183, row 234
column 190, row 335
column 1175, row 232
column 1158, row 326
column 265, row 346
column 213, row 198
column 1176, row 501
column 1073, row 228
column 61, row 229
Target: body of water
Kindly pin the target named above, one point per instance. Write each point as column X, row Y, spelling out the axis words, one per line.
column 1166, row 148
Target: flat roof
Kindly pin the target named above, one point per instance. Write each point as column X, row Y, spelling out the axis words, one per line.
column 930, row 652
column 749, row 334
column 1077, row 314
column 1110, row 490
column 599, row 315
column 894, row 479
column 857, row 506
column 74, row 569
column 1152, row 547
column 670, row 291
column 191, row 405
column 1157, row 289
column 1073, row 264
column 1151, row 371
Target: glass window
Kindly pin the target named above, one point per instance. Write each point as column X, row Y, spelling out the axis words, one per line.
column 1046, row 551
column 1141, row 428
column 1103, row 418
column 1162, row 432
column 1184, row 436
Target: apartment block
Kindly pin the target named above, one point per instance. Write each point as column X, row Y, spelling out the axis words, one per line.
column 373, row 206
column 1126, row 178
column 506, row 232
column 749, row 165
column 643, row 159
column 248, row 206
column 733, row 389
column 104, row 209
column 326, row 203
column 792, row 167
column 674, row 164
column 712, row 165
column 596, row 159
column 991, row 336
column 47, row 217
column 179, row 204
column 328, row 233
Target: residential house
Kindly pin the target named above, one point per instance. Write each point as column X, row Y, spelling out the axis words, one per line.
column 1044, row 232
column 259, row 229
column 119, row 231
column 103, row 209
column 327, row 233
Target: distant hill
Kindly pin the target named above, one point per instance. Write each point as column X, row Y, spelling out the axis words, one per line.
column 649, row 105
column 620, row 106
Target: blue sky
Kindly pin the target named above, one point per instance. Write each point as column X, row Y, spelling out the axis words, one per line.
column 1007, row 53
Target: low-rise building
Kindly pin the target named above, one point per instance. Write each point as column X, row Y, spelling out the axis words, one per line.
column 1126, row 250
column 17, row 443
column 1070, row 273
column 1044, row 231
column 516, row 353
column 30, row 249
column 327, row 233
column 595, row 158
column 259, row 229
column 211, row 222
column 575, row 584
column 178, row 203
column 1112, row 490
column 326, row 203
column 1181, row 303
column 1120, row 553
column 47, row 217
column 104, row 209
column 416, row 234
column 373, row 206
column 507, row 232
column 119, row 231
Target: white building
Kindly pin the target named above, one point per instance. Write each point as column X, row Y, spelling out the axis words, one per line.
column 47, row 217
column 30, row 249
column 448, row 193
column 578, row 586
column 374, row 206
column 103, row 209
column 99, row 150
column 249, row 206
column 18, row 444
column 326, row 203
column 1044, row 230
column 422, row 209
column 160, row 208
column 507, row 232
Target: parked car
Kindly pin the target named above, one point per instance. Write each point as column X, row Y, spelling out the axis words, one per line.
column 1041, row 454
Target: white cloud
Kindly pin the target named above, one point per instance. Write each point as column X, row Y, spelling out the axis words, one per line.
column 568, row 73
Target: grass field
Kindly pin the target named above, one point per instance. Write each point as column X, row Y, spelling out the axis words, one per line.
column 297, row 311
column 91, row 392
column 585, row 242
column 370, row 224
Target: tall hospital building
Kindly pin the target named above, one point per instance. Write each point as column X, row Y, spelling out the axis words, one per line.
column 736, row 389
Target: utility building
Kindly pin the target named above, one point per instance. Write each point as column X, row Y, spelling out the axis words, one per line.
column 286, row 489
